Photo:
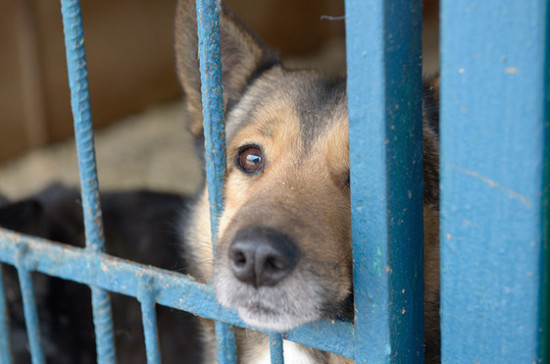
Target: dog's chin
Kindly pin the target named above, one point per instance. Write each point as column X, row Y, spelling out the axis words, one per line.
column 279, row 308
column 267, row 319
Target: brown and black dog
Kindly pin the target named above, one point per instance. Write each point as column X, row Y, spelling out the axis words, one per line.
column 283, row 256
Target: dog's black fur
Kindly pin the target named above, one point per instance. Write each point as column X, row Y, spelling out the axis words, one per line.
column 139, row 225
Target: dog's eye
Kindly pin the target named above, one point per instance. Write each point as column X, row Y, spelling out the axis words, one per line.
column 250, row 159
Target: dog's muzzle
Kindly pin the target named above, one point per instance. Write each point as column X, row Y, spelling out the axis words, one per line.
column 263, row 276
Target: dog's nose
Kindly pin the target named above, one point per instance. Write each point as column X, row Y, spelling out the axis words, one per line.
column 261, row 256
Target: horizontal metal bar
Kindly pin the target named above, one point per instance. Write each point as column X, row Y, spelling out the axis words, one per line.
column 315, row 335
column 171, row 289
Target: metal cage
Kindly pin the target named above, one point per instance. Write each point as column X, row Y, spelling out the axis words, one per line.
column 495, row 166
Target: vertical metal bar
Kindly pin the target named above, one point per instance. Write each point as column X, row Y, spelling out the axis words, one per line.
column 31, row 315
column 545, row 340
column 494, row 121
column 212, row 104
column 546, row 216
column 146, row 297
column 80, row 103
column 226, row 339
column 5, row 350
column 276, row 348
column 214, row 134
column 103, row 325
column 29, row 306
column 384, row 85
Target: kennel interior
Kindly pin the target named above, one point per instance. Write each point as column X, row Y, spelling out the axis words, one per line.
column 494, row 203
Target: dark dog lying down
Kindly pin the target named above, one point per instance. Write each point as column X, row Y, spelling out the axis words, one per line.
column 139, row 226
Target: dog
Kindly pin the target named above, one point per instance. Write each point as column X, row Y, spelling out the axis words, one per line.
column 283, row 252
column 138, row 225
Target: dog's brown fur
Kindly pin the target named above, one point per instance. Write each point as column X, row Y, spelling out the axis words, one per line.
column 299, row 121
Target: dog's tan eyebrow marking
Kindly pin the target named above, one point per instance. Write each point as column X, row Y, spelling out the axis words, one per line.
column 268, row 130
column 279, row 97
column 318, row 105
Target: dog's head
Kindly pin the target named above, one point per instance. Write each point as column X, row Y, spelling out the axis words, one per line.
column 283, row 256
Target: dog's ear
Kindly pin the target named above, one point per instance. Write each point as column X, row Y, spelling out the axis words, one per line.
column 243, row 56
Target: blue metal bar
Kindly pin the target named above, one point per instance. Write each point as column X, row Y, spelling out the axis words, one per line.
column 5, row 350
column 545, row 339
column 494, row 121
column 316, row 333
column 80, row 103
column 120, row 276
column 103, row 325
column 384, row 86
column 208, row 31
column 31, row 315
column 545, row 343
column 146, row 296
column 29, row 305
column 276, row 348
column 226, row 338
column 212, row 104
